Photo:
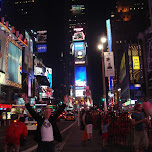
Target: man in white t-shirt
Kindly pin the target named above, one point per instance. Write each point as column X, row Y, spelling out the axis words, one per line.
column 47, row 130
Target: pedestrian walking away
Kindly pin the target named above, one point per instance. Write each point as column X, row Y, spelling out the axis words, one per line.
column 139, row 119
column 104, row 126
column 47, row 130
column 88, row 120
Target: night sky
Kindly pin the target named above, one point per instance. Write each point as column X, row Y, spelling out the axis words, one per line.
column 50, row 16
column 96, row 28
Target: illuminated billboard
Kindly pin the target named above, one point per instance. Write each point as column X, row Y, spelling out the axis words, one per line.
column 41, row 48
column 48, row 74
column 79, row 36
column 78, row 46
column 42, row 36
column 80, row 76
column 77, row 9
column 79, row 93
column 14, row 68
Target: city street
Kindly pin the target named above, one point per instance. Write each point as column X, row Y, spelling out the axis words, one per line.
column 31, row 145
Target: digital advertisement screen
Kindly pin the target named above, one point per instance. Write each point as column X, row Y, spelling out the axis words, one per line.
column 48, row 74
column 80, row 76
column 14, row 63
column 41, row 48
column 78, row 46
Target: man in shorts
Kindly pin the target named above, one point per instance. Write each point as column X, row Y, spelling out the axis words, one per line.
column 139, row 119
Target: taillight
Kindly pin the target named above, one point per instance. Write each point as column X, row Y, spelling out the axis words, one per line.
column 15, row 120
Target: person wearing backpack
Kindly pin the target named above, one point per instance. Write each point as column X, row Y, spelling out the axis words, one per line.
column 88, row 124
column 14, row 132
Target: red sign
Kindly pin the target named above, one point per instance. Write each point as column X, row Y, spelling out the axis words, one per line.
column 5, row 106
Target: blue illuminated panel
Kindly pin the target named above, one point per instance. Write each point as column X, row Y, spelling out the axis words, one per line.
column 80, row 76
column 41, row 48
column 78, row 46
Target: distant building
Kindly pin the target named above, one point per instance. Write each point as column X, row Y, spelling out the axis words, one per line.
column 127, row 20
column 75, row 16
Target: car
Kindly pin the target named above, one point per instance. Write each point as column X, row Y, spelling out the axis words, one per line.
column 70, row 117
column 31, row 124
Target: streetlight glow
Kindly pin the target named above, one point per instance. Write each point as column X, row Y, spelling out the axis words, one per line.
column 100, row 47
column 103, row 39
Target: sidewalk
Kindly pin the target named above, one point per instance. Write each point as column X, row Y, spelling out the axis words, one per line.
column 73, row 143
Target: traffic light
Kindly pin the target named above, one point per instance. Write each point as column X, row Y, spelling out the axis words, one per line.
column 103, row 99
column 34, row 106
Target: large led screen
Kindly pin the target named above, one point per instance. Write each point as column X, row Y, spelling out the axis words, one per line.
column 80, row 76
column 14, row 63
column 78, row 46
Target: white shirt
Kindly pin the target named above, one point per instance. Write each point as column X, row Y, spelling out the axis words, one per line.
column 47, row 131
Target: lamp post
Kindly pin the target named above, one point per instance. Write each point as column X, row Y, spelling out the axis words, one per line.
column 100, row 47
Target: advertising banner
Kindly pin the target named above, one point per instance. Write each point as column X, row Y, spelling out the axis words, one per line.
column 79, row 36
column 42, row 36
column 48, row 74
column 136, row 63
column 14, row 70
column 41, row 48
column 80, row 76
column 2, row 76
column 79, row 93
column 78, row 46
column 109, row 35
column 123, row 68
column 109, row 64
column 77, row 9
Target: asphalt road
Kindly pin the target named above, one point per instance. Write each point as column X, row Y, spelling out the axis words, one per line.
column 31, row 145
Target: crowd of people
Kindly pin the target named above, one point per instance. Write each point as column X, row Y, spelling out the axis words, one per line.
column 119, row 128
column 113, row 127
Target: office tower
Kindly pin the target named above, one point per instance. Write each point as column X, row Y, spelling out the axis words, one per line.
column 75, row 17
column 127, row 20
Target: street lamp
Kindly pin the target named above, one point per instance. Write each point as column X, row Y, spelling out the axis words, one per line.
column 100, row 47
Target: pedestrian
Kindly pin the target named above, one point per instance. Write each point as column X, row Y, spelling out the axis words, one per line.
column 88, row 120
column 104, row 125
column 14, row 133
column 84, row 136
column 47, row 130
column 147, row 107
column 139, row 119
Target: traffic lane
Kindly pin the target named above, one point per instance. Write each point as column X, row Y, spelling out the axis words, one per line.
column 64, row 127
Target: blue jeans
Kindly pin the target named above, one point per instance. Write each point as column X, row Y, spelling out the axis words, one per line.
column 46, row 147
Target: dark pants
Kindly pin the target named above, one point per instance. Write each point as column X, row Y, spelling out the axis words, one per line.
column 46, row 147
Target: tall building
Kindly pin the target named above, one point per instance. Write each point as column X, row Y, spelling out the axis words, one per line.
column 75, row 17
column 127, row 20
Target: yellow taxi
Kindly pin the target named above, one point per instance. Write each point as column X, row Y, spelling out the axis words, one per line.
column 70, row 117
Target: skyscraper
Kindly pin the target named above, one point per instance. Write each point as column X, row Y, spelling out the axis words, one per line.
column 75, row 17
column 127, row 20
